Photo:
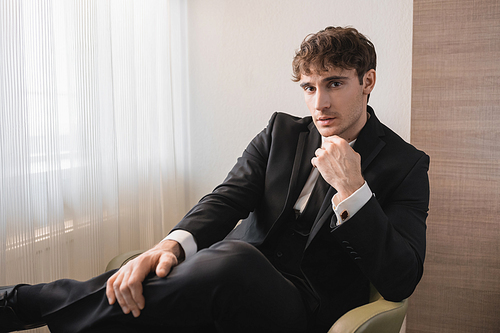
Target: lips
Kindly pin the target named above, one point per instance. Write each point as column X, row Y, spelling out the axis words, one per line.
column 325, row 121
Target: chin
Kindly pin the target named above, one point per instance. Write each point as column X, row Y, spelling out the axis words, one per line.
column 327, row 132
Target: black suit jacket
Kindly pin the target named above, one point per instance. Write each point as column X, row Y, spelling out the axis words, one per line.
column 384, row 243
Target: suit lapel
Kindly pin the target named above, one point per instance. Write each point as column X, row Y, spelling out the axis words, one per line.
column 369, row 142
column 312, row 142
column 368, row 145
column 307, row 144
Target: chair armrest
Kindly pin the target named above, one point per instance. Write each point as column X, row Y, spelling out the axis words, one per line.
column 379, row 316
column 122, row 259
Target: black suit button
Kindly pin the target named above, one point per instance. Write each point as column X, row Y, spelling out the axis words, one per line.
column 279, row 254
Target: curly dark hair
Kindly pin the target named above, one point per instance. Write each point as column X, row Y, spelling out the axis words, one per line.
column 334, row 47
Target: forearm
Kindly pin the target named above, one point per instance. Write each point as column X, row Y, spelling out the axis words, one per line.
column 387, row 237
column 217, row 213
column 389, row 259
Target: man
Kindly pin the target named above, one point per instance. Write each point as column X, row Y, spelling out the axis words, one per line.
column 330, row 203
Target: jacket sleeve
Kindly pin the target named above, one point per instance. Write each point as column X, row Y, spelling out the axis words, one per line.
column 387, row 239
column 217, row 213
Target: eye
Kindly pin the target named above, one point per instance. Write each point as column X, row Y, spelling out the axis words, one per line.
column 309, row 89
column 334, row 84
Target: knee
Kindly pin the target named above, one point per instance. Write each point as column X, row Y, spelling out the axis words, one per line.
column 237, row 252
column 227, row 247
column 234, row 260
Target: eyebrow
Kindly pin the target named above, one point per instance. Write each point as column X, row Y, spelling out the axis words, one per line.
column 335, row 77
column 326, row 79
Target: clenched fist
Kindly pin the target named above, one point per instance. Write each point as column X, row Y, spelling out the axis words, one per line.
column 340, row 166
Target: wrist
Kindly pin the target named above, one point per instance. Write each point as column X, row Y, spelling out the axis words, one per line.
column 173, row 247
column 346, row 192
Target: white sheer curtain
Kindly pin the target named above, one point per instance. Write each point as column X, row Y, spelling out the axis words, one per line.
column 92, row 132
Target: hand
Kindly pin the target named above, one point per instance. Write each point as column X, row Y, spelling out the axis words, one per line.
column 340, row 166
column 125, row 286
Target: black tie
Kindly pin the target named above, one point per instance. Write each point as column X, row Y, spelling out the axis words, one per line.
column 308, row 216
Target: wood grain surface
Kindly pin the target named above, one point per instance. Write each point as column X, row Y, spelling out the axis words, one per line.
column 456, row 120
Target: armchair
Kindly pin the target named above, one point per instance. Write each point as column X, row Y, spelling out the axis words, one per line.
column 379, row 315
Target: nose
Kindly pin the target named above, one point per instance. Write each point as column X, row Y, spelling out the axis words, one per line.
column 322, row 100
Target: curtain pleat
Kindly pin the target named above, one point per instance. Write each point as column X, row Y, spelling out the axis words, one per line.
column 93, row 131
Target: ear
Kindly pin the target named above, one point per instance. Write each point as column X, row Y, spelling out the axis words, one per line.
column 369, row 81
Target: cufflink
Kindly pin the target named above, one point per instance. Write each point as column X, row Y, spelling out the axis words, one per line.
column 344, row 215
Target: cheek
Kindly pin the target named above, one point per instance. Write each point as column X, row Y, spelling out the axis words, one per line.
column 310, row 104
column 351, row 102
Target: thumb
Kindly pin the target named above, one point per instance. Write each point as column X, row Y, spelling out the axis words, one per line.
column 165, row 264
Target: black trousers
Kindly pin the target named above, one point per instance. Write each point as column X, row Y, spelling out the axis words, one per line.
column 229, row 287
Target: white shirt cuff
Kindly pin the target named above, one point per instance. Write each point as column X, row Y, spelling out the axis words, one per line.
column 185, row 239
column 351, row 205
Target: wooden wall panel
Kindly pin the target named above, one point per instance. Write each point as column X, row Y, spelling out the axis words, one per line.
column 456, row 120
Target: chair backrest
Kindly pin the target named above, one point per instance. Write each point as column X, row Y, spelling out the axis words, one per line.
column 122, row 259
column 374, row 294
column 379, row 315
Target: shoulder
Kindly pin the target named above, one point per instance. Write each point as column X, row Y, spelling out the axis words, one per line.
column 394, row 144
column 288, row 119
column 399, row 145
column 283, row 123
column 282, row 131
column 386, row 154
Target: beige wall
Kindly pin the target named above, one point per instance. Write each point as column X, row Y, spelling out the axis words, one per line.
column 240, row 56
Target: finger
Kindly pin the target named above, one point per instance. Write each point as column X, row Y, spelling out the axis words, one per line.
column 132, row 288
column 314, row 160
column 139, row 302
column 335, row 143
column 131, row 292
column 319, row 151
column 120, row 290
column 127, row 289
column 165, row 264
column 334, row 139
column 110, row 293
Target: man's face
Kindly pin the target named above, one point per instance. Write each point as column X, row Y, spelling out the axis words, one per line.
column 337, row 101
